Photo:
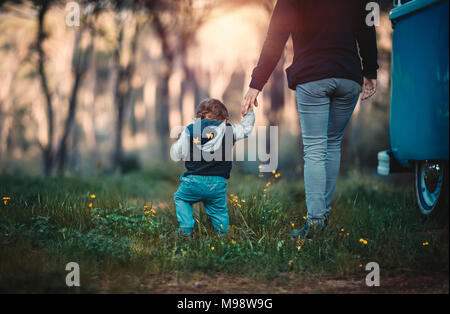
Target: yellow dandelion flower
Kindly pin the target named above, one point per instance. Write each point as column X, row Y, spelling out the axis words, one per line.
column 342, row 229
column 92, row 195
column 5, row 200
column 259, row 166
column 274, row 172
column 254, row 197
column 425, row 243
column 90, row 205
column 233, row 242
column 360, row 265
column 243, row 201
column 145, row 206
column 261, row 175
column 348, row 233
column 212, row 248
column 298, row 248
column 304, row 217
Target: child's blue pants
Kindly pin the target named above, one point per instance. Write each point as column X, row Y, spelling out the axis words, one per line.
column 211, row 190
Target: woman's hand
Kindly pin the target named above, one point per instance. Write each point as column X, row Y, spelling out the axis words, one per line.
column 250, row 100
column 369, row 88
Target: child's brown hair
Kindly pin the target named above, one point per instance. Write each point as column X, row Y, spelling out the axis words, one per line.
column 212, row 109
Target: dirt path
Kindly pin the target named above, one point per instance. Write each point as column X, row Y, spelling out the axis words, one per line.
column 284, row 284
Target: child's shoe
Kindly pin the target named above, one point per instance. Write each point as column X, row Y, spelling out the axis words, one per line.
column 186, row 233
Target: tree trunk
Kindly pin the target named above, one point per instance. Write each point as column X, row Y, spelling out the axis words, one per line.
column 5, row 125
column 123, row 90
column 162, row 89
column 162, row 111
column 189, row 86
column 81, row 63
column 47, row 150
column 119, row 101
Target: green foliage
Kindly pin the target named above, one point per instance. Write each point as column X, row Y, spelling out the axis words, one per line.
column 100, row 245
column 129, row 228
column 125, row 222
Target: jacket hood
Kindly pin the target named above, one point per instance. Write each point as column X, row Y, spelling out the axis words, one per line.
column 217, row 128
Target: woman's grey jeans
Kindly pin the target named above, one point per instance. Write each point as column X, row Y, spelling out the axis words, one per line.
column 324, row 107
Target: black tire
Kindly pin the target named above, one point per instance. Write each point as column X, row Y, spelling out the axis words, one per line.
column 431, row 187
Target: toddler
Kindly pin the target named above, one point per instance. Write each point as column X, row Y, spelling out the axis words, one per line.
column 206, row 146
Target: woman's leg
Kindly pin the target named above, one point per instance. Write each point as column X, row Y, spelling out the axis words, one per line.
column 314, row 107
column 343, row 102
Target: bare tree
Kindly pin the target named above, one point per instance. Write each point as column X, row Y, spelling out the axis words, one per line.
column 124, row 75
column 80, row 66
column 172, row 20
column 42, row 7
column 162, row 91
column 190, row 20
column 80, row 62
column 47, row 150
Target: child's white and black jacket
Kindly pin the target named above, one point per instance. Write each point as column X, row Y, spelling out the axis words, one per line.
column 206, row 145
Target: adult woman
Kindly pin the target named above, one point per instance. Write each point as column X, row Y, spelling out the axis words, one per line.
column 330, row 39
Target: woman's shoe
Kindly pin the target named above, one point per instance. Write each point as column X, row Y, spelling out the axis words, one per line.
column 310, row 225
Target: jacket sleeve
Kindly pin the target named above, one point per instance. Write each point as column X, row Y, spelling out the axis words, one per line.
column 180, row 149
column 243, row 129
column 279, row 31
column 367, row 42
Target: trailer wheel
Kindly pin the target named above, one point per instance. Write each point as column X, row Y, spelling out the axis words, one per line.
column 431, row 185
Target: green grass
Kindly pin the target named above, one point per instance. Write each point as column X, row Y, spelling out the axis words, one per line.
column 48, row 223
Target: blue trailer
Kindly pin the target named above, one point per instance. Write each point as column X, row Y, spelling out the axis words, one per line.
column 419, row 116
